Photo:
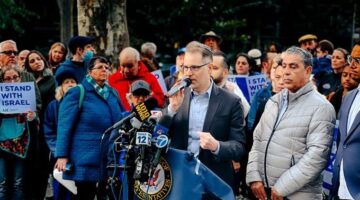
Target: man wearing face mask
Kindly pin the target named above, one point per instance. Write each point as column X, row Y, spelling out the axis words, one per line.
column 82, row 51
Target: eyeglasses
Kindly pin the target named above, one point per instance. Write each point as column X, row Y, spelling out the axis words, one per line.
column 9, row 79
column 102, row 67
column 193, row 68
column 10, row 52
column 356, row 60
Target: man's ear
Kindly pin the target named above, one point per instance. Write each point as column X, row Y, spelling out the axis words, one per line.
column 226, row 72
column 79, row 50
column 308, row 70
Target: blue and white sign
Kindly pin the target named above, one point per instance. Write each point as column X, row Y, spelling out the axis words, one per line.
column 328, row 171
column 143, row 138
column 159, row 76
column 17, row 97
column 249, row 85
column 162, row 141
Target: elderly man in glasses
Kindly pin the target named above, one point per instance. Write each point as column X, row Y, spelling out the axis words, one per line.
column 130, row 70
column 8, row 53
column 208, row 121
column 346, row 168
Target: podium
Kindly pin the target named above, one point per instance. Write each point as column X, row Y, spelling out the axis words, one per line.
column 180, row 176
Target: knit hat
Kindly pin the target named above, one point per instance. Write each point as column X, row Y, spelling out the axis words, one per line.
column 256, row 55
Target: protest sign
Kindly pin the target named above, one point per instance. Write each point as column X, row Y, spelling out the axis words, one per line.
column 328, row 171
column 17, row 97
column 249, row 85
column 159, row 76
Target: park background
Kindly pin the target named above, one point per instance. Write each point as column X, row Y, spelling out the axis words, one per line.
column 170, row 24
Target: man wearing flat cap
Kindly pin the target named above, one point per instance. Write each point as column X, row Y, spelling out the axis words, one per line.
column 308, row 42
column 82, row 51
column 211, row 40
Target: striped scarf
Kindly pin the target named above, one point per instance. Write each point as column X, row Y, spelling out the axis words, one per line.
column 102, row 91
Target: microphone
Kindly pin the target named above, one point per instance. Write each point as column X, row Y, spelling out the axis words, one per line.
column 140, row 111
column 186, row 82
column 162, row 127
column 162, row 138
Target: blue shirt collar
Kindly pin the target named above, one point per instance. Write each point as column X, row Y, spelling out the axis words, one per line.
column 208, row 91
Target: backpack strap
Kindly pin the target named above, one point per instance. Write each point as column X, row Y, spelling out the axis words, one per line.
column 82, row 94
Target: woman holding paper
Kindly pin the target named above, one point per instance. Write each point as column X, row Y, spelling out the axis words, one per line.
column 67, row 80
column 81, row 125
column 14, row 144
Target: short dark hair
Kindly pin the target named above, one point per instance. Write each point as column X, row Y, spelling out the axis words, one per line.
column 326, row 45
column 100, row 59
column 223, row 55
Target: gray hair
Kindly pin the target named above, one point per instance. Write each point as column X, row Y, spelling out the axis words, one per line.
column 130, row 51
column 304, row 54
column 204, row 50
column 148, row 47
column 4, row 69
column 5, row 42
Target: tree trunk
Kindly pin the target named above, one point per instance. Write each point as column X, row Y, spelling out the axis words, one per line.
column 106, row 21
column 66, row 21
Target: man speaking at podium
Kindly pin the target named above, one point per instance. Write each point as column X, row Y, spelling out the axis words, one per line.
column 208, row 121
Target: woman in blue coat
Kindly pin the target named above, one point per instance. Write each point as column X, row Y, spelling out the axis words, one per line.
column 80, row 129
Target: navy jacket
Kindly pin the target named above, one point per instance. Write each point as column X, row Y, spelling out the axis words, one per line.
column 349, row 148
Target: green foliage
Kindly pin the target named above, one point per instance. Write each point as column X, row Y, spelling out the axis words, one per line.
column 11, row 14
column 173, row 22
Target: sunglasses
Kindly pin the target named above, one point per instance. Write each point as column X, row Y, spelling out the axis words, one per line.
column 10, row 52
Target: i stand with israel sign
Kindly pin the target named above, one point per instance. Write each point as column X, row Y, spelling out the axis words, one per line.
column 249, row 85
column 17, row 97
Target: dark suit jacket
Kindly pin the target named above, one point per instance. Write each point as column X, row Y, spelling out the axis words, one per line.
column 225, row 121
column 349, row 149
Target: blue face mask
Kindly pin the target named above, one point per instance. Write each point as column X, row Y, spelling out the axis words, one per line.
column 88, row 55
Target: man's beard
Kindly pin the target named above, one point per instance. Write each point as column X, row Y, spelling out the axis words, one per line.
column 217, row 80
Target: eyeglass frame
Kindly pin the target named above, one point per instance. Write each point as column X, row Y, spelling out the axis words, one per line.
column 193, row 68
column 101, row 67
column 350, row 59
column 10, row 52
column 10, row 79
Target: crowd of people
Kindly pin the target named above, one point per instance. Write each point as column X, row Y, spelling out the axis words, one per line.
column 274, row 147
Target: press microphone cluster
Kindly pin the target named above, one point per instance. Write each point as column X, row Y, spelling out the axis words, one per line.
column 186, row 82
column 141, row 139
column 150, row 143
